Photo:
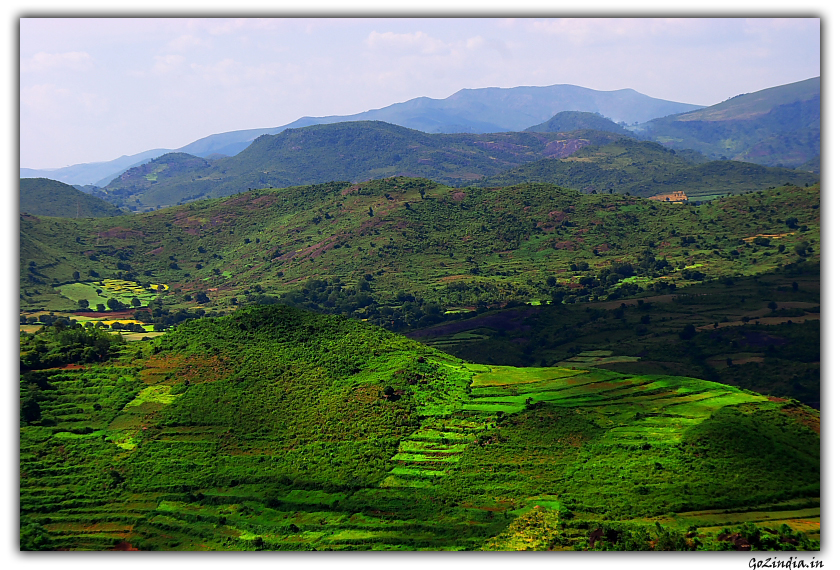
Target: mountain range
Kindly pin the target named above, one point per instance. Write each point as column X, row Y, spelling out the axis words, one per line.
column 773, row 127
column 585, row 160
column 467, row 111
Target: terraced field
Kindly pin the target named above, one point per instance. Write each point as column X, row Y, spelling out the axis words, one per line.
column 413, row 450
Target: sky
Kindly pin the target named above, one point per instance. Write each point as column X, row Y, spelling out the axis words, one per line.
column 93, row 89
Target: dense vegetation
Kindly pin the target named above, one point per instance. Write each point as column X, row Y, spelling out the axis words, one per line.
column 278, row 429
column 44, row 197
column 354, row 151
column 601, row 371
column 648, row 169
column 357, row 151
column 760, row 333
column 567, row 121
column 399, row 251
column 774, row 127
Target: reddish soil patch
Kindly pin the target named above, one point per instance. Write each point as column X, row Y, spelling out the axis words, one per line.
column 262, row 202
column 123, row 545
column 116, row 315
column 122, row 233
column 739, row 541
column 155, row 251
column 197, row 370
column 804, row 417
column 563, row 149
column 567, row 245
column 458, row 196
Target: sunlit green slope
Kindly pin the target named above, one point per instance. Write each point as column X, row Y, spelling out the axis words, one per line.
column 279, row 429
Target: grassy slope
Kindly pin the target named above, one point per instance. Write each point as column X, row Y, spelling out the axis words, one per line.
column 44, row 197
column 451, row 247
column 274, row 429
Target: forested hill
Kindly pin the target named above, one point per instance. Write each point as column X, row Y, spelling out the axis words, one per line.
column 583, row 159
column 643, row 168
column 566, row 121
column 404, row 250
column 275, row 429
column 353, row 151
column 779, row 126
column 44, row 197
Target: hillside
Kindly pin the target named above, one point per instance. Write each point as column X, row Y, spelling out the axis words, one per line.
column 779, row 126
column 567, row 121
column 370, row 150
column 44, row 197
column 409, row 252
column 353, row 151
column 647, row 169
column 274, row 429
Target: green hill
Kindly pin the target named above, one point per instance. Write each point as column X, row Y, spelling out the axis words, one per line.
column 779, row 126
column 408, row 252
column 45, row 197
column 357, row 151
column 567, row 121
column 274, row 429
column 647, row 169
column 354, row 151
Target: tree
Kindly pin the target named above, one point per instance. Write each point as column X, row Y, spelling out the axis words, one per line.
column 135, row 302
column 84, row 303
column 688, row 332
column 100, row 308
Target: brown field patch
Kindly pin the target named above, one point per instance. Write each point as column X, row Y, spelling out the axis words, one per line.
column 804, row 417
column 122, row 233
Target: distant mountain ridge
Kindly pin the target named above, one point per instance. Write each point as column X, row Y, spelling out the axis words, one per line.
column 485, row 110
column 779, row 126
column 353, row 151
column 585, row 160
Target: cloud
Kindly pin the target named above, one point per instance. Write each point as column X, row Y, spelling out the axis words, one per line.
column 48, row 99
column 73, row 61
column 587, row 31
column 165, row 64
column 417, row 42
column 186, row 42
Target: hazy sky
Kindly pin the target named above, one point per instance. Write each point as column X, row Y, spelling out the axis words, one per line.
column 95, row 89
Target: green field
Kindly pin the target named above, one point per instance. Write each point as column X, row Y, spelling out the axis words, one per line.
column 250, row 432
